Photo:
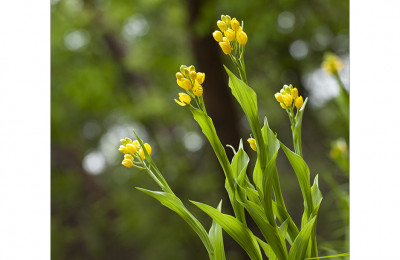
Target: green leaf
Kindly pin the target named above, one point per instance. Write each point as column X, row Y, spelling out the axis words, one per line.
column 267, row 249
column 297, row 129
column 303, row 176
column 282, row 232
column 247, row 99
column 269, row 171
column 269, row 232
column 175, row 204
column 270, row 140
column 207, row 126
column 216, row 238
column 329, row 256
column 299, row 247
column 239, row 161
column 283, row 215
column 238, row 231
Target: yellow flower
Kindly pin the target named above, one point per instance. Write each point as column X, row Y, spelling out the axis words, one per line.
column 332, row 63
column 230, row 34
column 241, row 37
column 282, row 105
column 226, row 19
column 222, row 26
column 217, row 36
column 252, row 143
column 299, row 102
column 295, row 93
column 235, row 24
column 278, row 97
column 133, row 148
column 200, row 77
column 127, row 163
column 193, row 75
column 226, row 46
column 123, row 149
column 184, row 99
column 287, row 99
column 179, row 76
column 184, row 83
column 148, row 149
column 198, row 90
column 184, row 70
column 128, row 157
column 192, row 68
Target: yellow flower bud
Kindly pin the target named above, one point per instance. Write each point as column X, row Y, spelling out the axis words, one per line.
column 182, row 69
column 278, row 97
column 282, row 105
column 230, row 34
column 287, row 99
column 148, row 149
column 179, row 76
column 235, row 24
column 184, row 83
column 299, row 102
column 122, row 149
column 227, row 19
column 128, row 157
column 252, row 143
column 222, row 26
column 217, row 36
column 184, row 99
column 192, row 68
column 295, row 93
column 127, row 163
column 198, row 90
column 241, row 37
column 226, row 46
column 193, row 75
column 287, row 89
column 131, row 148
column 200, row 77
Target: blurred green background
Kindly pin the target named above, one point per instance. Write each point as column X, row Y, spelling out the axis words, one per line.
column 113, row 70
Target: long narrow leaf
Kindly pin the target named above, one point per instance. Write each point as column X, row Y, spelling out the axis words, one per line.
column 238, row 231
column 175, row 204
column 217, row 239
column 299, row 247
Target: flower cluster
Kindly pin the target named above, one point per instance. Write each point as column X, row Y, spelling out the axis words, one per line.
column 332, row 63
column 132, row 151
column 289, row 98
column 233, row 35
column 191, row 81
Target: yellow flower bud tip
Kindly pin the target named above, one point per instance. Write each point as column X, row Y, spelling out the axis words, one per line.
column 131, row 148
column 217, row 36
column 235, row 24
column 287, row 99
column 294, row 93
column 222, row 25
column 278, row 97
column 228, row 19
column 184, row 99
column 252, row 143
column 332, row 63
column 226, row 47
column 128, row 157
column 200, row 77
column 299, row 102
column 192, row 68
column 179, row 76
column 282, row 105
column 127, row 163
column 184, row 83
column 123, row 149
column 197, row 90
column 230, row 34
column 241, row 37
column 148, row 149
column 286, row 88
